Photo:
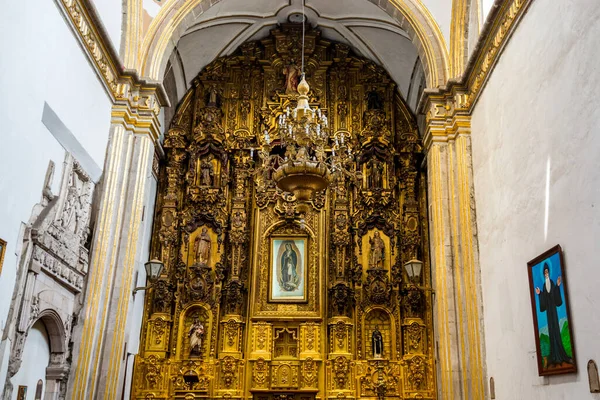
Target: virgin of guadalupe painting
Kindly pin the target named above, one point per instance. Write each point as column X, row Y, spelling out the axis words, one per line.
column 551, row 321
column 288, row 271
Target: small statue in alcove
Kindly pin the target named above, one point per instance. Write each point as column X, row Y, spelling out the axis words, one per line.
column 377, row 343
column 377, row 251
column 212, row 96
column 196, row 335
column 202, row 246
column 375, row 179
column 207, row 172
column 374, row 101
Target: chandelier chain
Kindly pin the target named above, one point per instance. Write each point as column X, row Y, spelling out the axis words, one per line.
column 303, row 32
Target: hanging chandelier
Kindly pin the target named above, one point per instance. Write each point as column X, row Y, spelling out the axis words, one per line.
column 312, row 159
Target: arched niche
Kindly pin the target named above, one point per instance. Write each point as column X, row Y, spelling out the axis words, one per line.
column 204, row 315
column 384, row 321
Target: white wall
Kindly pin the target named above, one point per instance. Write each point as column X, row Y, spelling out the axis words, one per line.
column 486, row 6
column 41, row 62
column 441, row 10
column 111, row 15
column 36, row 358
column 536, row 154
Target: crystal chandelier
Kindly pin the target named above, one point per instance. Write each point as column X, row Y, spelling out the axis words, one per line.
column 312, row 159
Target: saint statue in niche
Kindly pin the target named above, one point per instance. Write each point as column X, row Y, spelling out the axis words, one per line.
column 196, row 335
column 374, row 101
column 206, row 172
column 292, row 74
column 377, row 251
column 212, row 96
column 289, row 273
column 202, row 246
column 377, row 343
column 375, row 174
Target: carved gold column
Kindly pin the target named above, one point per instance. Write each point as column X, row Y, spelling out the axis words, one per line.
column 234, row 291
column 99, row 341
column 455, row 268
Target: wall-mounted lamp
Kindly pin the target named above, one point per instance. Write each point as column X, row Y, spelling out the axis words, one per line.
column 412, row 294
column 153, row 270
column 413, row 270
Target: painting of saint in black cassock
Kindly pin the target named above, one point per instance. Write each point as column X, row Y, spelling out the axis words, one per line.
column 550, row 300
column 289, row 273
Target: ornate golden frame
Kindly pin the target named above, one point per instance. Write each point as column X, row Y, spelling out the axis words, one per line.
column 272, row 266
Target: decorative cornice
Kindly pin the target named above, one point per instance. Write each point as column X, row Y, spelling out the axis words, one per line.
column 97, row 47
column 501, row 23
column 120, row 84
column 460, row 96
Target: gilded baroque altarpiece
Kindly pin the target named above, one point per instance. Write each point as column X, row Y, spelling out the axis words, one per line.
column 212, row 327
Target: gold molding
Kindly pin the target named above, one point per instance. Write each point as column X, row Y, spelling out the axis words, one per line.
column 120, row 84
column 460, row 96
column 78, row 14
column 502, row 22
column 459, row 36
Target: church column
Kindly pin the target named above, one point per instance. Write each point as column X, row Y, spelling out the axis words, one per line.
column 454, row 255
column 124, row 214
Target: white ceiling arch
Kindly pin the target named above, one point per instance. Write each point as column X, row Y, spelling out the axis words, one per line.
column 393, row 33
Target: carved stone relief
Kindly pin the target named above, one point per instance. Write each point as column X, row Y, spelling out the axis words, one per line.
column 54, row 269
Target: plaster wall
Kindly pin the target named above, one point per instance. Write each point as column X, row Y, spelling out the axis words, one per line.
column 486, row 6
column 536, row 147
column 111, row 14
column 41, row 62
column 36, row 358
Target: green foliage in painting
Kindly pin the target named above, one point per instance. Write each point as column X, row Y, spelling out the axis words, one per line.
column 566, row 338
column 544, row 345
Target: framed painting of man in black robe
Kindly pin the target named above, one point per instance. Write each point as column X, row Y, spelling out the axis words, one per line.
column 288, row 270
column 551, row 321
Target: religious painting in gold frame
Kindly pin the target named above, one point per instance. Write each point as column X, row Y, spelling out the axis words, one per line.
column 2, row 251
column 288, row 269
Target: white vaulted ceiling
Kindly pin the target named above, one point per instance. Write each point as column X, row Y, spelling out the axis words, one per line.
column 369, row 30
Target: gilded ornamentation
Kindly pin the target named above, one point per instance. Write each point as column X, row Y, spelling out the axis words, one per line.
column 309, row 372
column 159, row 326
column 228, row 370
column 414, row 336
column 260, row 373
column 341, row 299
column 231, row 331
column 377, row 286
column 217, row 215
column 413, row 302
column 310, row 337
column 341, row 368
column 416, row 371
column 340, row 334
column 162, row 297
column 490, row 52
column 261, row 336
column 153, row 371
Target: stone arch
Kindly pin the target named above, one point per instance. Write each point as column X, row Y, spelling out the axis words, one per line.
column 412, row 16
column 56, row 330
